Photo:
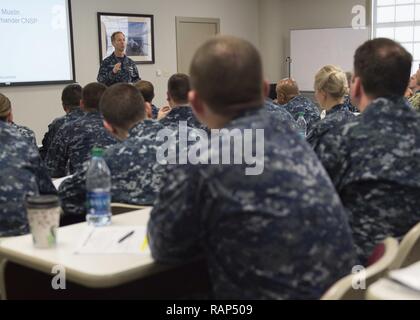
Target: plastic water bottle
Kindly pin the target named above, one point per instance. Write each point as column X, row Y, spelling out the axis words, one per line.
column 301, row 123
column 98, row 186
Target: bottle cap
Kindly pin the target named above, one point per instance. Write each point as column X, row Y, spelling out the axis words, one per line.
column 97, row 152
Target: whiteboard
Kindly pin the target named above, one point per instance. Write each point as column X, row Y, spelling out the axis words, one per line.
column 312, row 49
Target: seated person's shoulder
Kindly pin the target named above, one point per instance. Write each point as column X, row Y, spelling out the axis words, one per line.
column 332, row 125
column 66, row 131
column 346, row 131
column 65, row 127
column 14, row 143
column 58, row 121
column 10, row 132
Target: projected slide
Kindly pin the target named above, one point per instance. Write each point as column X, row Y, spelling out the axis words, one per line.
column 36, row 42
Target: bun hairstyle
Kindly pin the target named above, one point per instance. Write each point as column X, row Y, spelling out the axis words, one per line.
column 332, row 80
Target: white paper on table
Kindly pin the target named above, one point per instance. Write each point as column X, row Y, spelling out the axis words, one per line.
column 106, row 240
column 410, row 276
column 59, row 181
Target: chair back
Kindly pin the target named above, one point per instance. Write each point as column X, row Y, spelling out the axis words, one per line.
column 409, row 250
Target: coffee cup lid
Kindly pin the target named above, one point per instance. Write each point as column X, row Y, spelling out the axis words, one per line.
column 43, row 201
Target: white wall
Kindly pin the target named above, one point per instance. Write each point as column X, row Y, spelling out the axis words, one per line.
column 266, row 23
column 36, row 106
column 278, row 17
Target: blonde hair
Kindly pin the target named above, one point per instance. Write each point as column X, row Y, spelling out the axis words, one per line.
column 332, row 80
column 5, row 106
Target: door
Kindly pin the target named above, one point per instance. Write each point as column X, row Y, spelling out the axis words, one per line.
column 191, row 33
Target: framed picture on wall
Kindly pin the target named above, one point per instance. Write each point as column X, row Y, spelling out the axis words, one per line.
column 138, row 29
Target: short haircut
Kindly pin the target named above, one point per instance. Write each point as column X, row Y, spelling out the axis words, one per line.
column 178, row 87
column 91, row 95
column 227, row 74
column 332, row 80
column 122, row 105
column 114, row 35
column 384, row 67
column 71, row 95
column 147, row 90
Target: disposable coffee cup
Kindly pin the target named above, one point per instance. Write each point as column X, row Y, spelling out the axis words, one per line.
column 44, row 218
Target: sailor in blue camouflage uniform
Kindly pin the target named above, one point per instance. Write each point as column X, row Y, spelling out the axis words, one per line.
column 6, row 115
column 289, row 97
column 373, row 160
column 278, row 233
column 118, row 67
column 330, row 90
column 179, row 108
column 135, row 173
column 70, row 99
column 22, row 174
column 74, row 141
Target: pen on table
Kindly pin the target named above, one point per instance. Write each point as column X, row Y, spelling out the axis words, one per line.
column 88, row 237
column 126, row 236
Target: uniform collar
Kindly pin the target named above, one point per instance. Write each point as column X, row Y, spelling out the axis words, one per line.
column 76, row 110
column 296, row 98
column 250, row 112
column 336, row 108
column 143, row 126
column 93, row 114
column 179, row 110
column 115, row 57
column 387, row 104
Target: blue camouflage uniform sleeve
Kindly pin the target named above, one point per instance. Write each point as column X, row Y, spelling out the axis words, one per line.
column 57, row 156
column 173, row 228
column 48, row 138
column 105, row 76
column 136, row 75
column 72, row 194
column 44, row 181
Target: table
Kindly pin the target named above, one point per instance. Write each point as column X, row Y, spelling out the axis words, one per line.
column 26, row 271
